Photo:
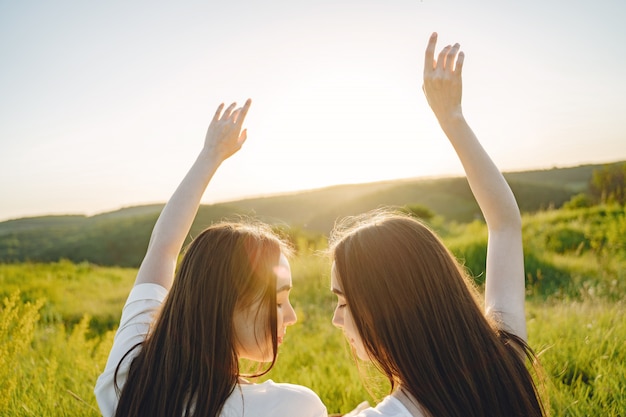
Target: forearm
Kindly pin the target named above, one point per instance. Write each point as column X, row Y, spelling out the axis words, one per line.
column 224, row 137
column 505, row 284
column 174, row 223
column 492, row 192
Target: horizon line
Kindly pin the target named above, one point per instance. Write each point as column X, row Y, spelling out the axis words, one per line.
column 295, row 192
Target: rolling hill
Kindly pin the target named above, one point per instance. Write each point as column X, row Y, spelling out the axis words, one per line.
column 121, row 237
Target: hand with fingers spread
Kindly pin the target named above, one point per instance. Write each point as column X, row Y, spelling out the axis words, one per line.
column 442, row 80
column 224, row 136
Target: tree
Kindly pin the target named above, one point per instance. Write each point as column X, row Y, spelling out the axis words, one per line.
column 608, row 184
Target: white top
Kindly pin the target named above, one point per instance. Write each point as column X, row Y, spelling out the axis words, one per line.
column 265, row 399
column 389, row 407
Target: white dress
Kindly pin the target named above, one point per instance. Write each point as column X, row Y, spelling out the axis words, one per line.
column 265, row 399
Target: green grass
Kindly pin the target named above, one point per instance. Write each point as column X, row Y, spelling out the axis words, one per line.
column 70, row 291
column 582, row 349
column 49, row 368
column 46, row 370
column 57, row 322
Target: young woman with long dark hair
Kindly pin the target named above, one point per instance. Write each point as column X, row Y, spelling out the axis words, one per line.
column 405, row 304
column 183, row 330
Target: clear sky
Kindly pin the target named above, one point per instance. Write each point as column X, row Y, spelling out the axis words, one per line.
column 105, row 104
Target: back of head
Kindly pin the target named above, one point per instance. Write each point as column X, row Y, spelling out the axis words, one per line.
column 189, row 360
column 419, row 317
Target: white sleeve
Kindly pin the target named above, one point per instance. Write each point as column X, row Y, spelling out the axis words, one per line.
column 143, row 302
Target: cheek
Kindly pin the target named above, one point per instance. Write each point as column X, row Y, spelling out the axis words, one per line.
column 356, row 343
column 262, row 325
column 347, row 320
column 253, row 335
column 279, row 318
column 356, row 338
column 337, row 317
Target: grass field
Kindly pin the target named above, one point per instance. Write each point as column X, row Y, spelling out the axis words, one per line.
column 57, row 322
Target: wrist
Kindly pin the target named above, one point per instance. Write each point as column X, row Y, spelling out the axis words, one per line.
column 210, row 156
column 451, row 117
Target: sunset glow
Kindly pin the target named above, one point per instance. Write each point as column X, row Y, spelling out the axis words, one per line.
column 105, row 105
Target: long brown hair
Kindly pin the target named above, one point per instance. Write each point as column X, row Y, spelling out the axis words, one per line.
column 419, row 318
column 188, row 364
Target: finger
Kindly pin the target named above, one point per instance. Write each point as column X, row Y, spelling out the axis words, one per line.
column 217, row 113
column 441, row 59
column 243, row 112
column 459, row 63
column 429, row 60
column 449, row 64
column 242, row 137
column 234, row 115
column 228, row 111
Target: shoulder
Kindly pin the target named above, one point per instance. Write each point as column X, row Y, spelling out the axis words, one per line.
column 389, row 407
column 143, row 301
column 282, row 399
column 146, row 292
column 286, row 388
column 291, row 393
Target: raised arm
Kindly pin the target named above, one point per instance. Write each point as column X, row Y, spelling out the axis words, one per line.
column 224, row 137
column 504, row 287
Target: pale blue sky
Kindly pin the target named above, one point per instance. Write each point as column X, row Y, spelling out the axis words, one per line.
column 105, row 104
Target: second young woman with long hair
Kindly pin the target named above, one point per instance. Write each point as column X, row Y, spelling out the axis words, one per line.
column 181, row 335
column 405, row 303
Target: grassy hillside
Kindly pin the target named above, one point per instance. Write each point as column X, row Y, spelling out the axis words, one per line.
column 573, row 178
column 121, row 237
column 448, row 197
column 575, row 260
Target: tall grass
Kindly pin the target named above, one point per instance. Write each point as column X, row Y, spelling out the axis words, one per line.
column 49, row 369
column 46, row 370
column 57, row 322
column 582, row 348
column 69, row 291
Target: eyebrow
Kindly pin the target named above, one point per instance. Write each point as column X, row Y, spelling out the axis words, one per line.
column 338, row 292
column 283, row 288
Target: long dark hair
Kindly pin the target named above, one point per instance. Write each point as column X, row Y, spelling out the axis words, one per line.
column 418, row 315
column 188, row 364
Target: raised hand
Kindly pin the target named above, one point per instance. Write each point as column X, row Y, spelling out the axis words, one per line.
column 442, row 80
column 224, row 136
column 504, row 286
